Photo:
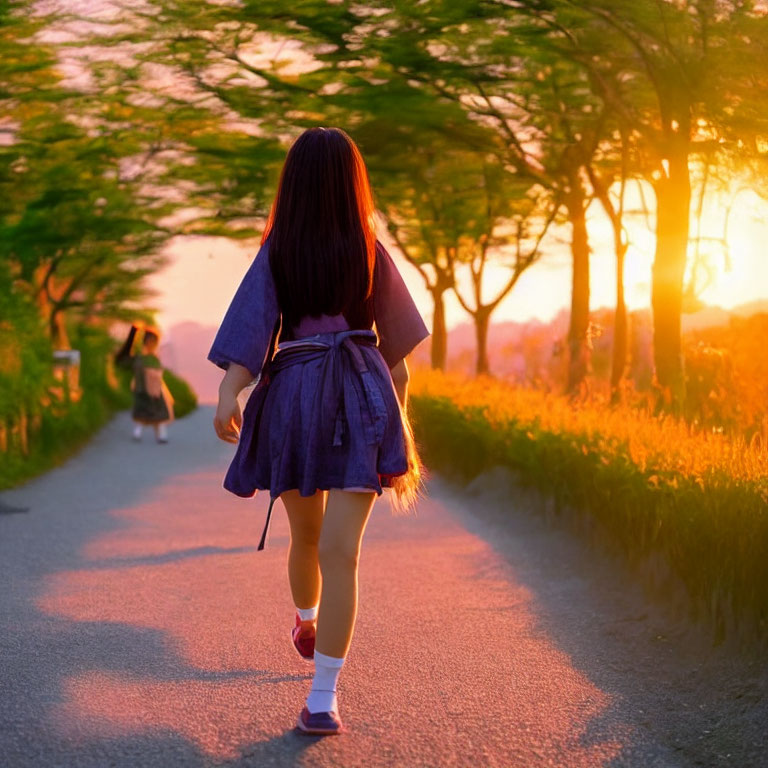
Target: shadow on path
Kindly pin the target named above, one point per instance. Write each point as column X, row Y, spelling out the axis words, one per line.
column 703, row 705
column 110, row 654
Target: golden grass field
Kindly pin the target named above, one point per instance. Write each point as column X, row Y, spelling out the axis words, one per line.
column 654, row 485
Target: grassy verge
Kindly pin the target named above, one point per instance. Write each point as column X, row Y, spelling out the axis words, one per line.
column 654, row 487
column 62, row 429
column 58, row 430
column 184, row 398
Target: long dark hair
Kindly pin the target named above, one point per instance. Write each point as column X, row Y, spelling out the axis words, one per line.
column 321, row 231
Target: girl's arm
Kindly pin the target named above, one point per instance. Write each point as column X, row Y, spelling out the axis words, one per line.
column 228, row 419
column 400, row 378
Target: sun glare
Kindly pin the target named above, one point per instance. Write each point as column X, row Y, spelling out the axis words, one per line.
column 740, row 274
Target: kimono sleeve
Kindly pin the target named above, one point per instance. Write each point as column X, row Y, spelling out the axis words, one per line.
column 246, row 332
column 398, row 322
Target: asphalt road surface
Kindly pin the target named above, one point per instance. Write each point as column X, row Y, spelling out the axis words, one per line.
column 140, row 627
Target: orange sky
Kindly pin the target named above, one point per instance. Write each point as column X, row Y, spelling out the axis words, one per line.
column 204, row 272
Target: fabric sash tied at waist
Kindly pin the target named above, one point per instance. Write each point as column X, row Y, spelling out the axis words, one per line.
column 341, row 357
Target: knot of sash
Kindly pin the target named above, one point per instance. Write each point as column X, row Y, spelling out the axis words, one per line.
column 343, row 363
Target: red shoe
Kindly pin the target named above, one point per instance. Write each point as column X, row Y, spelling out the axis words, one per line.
column 303, row 637
column 319, row 723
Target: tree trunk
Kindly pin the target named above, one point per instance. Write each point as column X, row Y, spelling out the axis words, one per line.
column 578, row 351
column 23, row 431
column 58, row 330
column 482, row 320
column 439, row 348
column 619, row 361
column 673, row 199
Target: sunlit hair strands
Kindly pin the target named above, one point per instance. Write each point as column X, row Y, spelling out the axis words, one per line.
column 321, row 230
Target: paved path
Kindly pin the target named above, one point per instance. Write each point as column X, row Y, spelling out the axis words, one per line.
column 140, row 627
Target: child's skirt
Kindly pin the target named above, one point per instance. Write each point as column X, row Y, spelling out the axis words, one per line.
column 324, row 415
column 152, row 401
column 151, row 410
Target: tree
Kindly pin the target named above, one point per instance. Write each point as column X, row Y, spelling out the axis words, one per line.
column 422, row 184
column 416, row 221
column 495, row 62
column 81, row 236
column 84, row 177
column 604, row 172
column 452, row 211
column 676, row 73
column 518, row 223
column 397, row 125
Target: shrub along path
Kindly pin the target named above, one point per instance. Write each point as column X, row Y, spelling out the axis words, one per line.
column 141, row 627
column 693, row 502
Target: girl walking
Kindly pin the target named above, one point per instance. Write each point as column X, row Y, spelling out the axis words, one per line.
column 152, row 401
column 325, row 428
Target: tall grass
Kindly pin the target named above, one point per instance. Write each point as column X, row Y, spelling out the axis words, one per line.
column 184, row 397
column 652, row 485
column 60, row 429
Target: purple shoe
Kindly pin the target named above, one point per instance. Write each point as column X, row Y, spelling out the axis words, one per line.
column 304, row 640
column 319, row 723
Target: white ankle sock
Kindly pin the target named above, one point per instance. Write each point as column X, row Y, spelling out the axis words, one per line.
column 322, row 697
column 137, row 432
column 307, row 614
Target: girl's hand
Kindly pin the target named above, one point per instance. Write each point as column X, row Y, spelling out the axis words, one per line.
column 228, row 419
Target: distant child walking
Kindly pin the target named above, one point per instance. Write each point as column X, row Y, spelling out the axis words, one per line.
column 325, row 428
column 152, row 401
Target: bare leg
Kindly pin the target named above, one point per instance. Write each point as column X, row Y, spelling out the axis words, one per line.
column 346, row 516
column 305, row 517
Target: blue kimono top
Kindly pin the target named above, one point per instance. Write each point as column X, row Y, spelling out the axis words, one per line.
column 324, row 413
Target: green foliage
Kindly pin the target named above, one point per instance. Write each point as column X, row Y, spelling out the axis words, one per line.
column 184, row 397
column 59, row 430
column 79, row 236
column 82, row 170
column 712, row 531
column 25, row 352
column 62, row 429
